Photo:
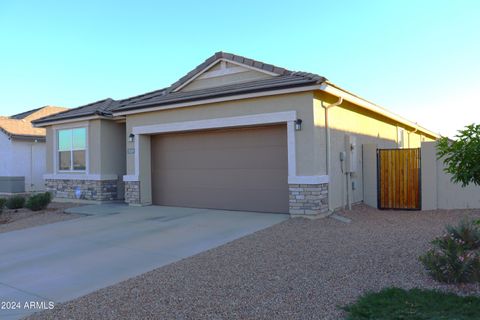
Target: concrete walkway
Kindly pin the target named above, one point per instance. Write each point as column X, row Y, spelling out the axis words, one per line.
column 65, row 260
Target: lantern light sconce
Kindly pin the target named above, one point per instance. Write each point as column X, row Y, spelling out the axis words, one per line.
column 298, row 124
column 131, row 137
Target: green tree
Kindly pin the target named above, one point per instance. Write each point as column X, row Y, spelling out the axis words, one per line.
column 461, row 156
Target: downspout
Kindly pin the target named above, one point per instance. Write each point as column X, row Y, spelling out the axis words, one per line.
column 327, row 141
column 31, row 167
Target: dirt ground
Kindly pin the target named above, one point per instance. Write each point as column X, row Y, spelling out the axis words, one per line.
column 11, row 220
column 297, row 269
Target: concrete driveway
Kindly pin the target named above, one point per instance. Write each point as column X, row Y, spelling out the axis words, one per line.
column 65, row 260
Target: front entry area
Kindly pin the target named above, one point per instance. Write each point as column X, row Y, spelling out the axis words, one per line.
column 232, row 169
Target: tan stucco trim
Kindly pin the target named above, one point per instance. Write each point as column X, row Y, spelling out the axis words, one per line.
column 226, row 122
column 65, row 176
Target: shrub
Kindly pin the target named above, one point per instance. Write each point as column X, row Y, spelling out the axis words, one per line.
column 39, row 201
column 467, row 232
column 460, row 156
column 455, row 256
column 15, row 202
column 2, row 204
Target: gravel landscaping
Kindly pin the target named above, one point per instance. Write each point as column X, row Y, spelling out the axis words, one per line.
column 298, row 269
column 11, row 220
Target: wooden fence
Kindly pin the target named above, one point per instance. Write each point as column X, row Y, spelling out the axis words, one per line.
column 399, row 182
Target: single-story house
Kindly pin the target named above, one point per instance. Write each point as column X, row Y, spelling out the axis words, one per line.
column 234, row 133
column 22, row 151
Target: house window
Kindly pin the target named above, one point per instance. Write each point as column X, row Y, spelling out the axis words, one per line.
column 401, row 138
column 72, row 145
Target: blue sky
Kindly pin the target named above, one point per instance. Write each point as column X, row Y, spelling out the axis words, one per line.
column 419, row 59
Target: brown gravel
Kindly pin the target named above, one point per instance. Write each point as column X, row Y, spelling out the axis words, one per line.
column 11, row 220
column 298, row 269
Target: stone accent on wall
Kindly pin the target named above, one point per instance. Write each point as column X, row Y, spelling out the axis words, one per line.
column 308, row 199
column 132, row 192
column 97, row 190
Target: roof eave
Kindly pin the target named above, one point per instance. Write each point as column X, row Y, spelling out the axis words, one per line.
column 22, row 136
column 337, row 91
column 141, row 106
column 239, row 96
column 46, row 123
column 28, row 137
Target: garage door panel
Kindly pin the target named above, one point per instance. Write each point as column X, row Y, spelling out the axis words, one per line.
column 224, row 158
column 235, row 169
column 219, row 139
column 224, row 178
column 242, row 199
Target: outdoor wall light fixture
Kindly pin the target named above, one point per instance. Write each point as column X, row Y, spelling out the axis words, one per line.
column 131, row 137
column 298, row 124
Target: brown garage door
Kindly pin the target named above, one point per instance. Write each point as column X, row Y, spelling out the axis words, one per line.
column 234, row 169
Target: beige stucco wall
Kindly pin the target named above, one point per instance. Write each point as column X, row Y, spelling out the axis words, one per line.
column 145, row 170
column 367, row 128
column 94, row 147
column 49, row 150
column 415, row 140
column 369, row 173
column 113, row 143
column 438, row 191
column 306, row 139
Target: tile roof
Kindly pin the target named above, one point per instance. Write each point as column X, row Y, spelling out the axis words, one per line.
column 275, row 83
column 43, row 112
column 20, row 126
column 24, row 114
column 284, row 79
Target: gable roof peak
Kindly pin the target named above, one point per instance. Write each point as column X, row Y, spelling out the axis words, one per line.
column 237, row 59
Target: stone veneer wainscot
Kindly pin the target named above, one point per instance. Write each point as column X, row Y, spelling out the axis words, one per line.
column 97, row 190
column 132, row 192
column 308, row 199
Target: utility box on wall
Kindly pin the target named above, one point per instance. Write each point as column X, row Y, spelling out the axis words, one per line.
column 350, row 153
column 12, row 184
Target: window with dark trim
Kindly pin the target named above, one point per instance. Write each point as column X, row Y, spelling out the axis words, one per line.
column 401, row 137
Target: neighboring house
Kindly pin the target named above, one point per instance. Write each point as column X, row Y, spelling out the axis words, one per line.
column 22, row 149
column 234, row 133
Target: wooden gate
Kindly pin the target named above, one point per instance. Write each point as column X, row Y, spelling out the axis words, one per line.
column 399, row 182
